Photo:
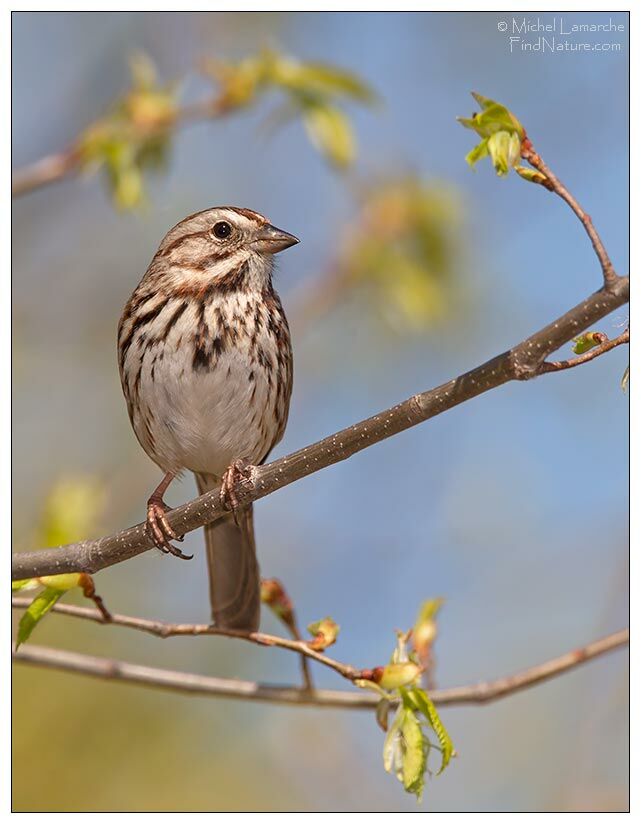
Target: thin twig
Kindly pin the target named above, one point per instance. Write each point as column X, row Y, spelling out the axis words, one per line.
column 47, row 170
column 308, row 683
column 554, row 185
column 274, row 595
column 481, row 693
column 522, row 362
column 163, row 629
column 601, row 349
column 56, row 167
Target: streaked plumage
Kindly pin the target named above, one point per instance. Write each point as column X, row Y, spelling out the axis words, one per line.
column 206, row 368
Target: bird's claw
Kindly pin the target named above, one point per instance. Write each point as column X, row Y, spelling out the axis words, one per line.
column 160, row 532
column 236, row 473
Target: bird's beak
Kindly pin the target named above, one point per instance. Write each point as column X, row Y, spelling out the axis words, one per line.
column 271, row 240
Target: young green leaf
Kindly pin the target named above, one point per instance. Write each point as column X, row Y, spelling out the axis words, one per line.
column 583, row 343
column 415, row 757
column 325, row 633
column 311, row 90
column 382, row 713
column 505, row 150
column 133, row 137
column 26, row 583
column 63, row 582
column 407, row 745
column 318, row 79
column 501, row 135
column 405, row 751
column 394, row 676
column 425, row 629
column 392, row 748
column 531, row 175
column 428, row 611
column 330, row 132
column 480, row 151
column 484, row 102
column 35, row 612
column 426, row 707
column 241, row 82
column 494, row 117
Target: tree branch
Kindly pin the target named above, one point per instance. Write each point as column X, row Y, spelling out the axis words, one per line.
column 163, row 629
column 554, row 185
column 601, row 349
column 522, row 362
column 480, row 693
column 47, row 170
column 56, row 167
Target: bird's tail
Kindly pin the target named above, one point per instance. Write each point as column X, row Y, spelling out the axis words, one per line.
column 234, row 577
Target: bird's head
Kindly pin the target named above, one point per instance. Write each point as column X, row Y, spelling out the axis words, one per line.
column 225, row 244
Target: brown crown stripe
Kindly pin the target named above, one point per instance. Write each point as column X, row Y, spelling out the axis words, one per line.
column 248, row 213
column 238, row 209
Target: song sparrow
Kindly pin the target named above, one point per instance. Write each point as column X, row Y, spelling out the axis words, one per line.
column 206, row 368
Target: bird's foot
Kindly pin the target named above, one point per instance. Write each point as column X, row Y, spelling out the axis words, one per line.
column 160, row 531
column 237, row 473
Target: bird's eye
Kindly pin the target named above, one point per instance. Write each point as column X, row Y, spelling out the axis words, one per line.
column 222, row 229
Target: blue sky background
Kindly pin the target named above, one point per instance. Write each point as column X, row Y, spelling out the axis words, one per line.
column 513, row 507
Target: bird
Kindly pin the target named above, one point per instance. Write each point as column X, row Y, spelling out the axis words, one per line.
column 206, row 367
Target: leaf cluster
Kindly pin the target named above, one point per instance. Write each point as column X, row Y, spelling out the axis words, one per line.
column 134, row 137
column 416, row 728
column 313, row 91
column 502, row 137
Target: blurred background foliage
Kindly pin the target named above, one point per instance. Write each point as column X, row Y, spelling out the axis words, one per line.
column 135, row 136
column 481, row 505
column 72, row 510
column 399, row 254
